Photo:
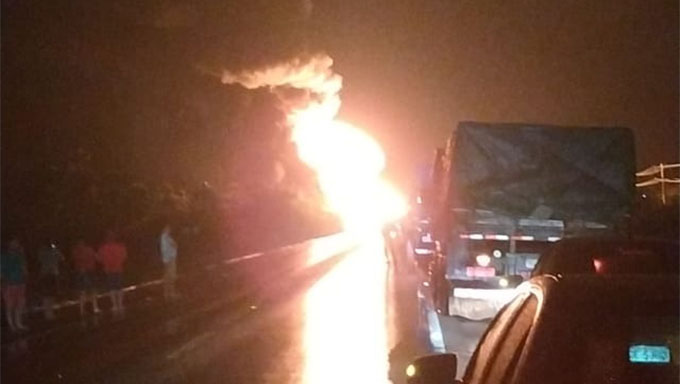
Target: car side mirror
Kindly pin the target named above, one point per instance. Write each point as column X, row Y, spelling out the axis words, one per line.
column 433, row 369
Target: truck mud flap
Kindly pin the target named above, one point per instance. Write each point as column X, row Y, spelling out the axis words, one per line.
column 478, row 304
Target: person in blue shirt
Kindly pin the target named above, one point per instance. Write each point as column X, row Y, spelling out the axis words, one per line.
column 168, row 247
column 13, row 273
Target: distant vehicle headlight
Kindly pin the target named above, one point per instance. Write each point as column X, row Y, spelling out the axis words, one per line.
column 503, row 282
column 483, row 260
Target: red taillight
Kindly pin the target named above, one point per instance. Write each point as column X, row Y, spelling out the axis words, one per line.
column 598, row 265
column 480, row 271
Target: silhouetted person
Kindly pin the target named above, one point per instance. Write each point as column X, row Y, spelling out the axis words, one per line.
column 112, row 255
column 168, row 247
column 13, row 273
column 84, row 260
column 49, row 257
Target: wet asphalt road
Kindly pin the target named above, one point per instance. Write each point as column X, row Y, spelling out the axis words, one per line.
column 461, row 337
column 450, row 334
column 323, row 312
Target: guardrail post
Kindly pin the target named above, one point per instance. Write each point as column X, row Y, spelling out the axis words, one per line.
column 663, row 184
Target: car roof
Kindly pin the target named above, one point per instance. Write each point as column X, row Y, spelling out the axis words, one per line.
column 575, row 255
column 629, row 288
column 615, row 240
column 568, row 243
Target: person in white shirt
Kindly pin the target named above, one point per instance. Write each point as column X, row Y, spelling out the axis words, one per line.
column 168, row 247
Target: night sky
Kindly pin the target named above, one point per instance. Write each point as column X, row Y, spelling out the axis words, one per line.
column 127, row 79
column 415, row 69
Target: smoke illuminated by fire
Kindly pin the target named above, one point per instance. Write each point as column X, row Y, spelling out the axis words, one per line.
column 348, row 162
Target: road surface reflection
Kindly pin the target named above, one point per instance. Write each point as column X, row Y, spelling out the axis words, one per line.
column 346, row 336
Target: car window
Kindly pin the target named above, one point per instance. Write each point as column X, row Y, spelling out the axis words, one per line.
column 491, row 338
column 548, row 261
column 540, row 264
column 574, row 257
column 509, row 349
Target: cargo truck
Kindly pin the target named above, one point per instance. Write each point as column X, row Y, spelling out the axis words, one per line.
column 503, row 192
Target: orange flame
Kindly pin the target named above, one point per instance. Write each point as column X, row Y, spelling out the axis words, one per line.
column 348, row 162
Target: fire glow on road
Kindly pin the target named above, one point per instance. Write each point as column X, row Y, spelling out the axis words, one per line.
column 346, row 333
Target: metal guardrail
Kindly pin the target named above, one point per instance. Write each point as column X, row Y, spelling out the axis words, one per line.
column 337, row 238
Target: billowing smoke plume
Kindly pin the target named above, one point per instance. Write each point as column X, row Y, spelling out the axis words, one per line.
column 311, row 76
column 348, row 163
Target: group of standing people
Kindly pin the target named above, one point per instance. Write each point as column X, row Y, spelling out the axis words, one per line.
column 111, row 255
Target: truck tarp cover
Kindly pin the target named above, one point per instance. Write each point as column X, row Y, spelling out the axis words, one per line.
column 574, row 173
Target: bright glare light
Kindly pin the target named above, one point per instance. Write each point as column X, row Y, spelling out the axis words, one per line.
column 410, row 370
column 503, row 282
column 497, row 253
column 423, row 251
column 348, row 164
column 483, row 260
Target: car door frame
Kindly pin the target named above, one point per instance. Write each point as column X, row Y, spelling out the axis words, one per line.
column 523, row 296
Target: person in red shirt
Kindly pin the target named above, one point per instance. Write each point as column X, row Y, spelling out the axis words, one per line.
column 84, row 262
column 111, row 255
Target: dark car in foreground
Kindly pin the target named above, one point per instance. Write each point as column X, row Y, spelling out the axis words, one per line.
column 574, row 329
column 611, row 256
